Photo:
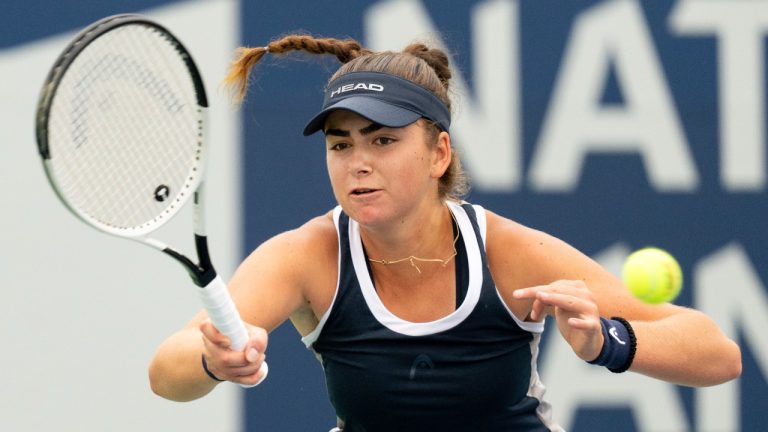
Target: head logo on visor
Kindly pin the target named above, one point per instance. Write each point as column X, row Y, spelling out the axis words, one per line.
column 382, row 98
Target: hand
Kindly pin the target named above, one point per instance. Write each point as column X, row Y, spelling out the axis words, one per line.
column 242, row 367
column 575, row 310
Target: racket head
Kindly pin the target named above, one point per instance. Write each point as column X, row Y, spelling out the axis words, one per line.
column 121, row 125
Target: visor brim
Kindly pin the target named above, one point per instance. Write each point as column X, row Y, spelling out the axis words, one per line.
column 375, row 110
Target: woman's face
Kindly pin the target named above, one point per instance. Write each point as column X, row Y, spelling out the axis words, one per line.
column 381, row 174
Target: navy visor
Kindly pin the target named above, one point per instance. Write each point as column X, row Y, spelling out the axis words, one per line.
column 382, row 98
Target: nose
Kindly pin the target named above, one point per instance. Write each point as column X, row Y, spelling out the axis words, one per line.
column 361, row 162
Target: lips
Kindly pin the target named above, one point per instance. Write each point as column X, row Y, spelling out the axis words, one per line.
column 363, row 191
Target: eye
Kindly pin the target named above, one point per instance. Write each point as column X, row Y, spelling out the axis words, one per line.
column 383, row 140
column 338, row 146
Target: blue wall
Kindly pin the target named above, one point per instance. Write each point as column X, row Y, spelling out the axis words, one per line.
column 612, row 201
column 621, row 195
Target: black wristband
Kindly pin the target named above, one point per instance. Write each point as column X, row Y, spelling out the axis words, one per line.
column 632, row 346
column 209, row 373
column 619, row 345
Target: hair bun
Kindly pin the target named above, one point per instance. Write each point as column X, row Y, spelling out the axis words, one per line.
column 435, row 58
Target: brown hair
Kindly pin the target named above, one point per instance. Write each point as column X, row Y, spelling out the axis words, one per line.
column 427, row 67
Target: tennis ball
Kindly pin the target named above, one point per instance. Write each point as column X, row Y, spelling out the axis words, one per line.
column 653, row 275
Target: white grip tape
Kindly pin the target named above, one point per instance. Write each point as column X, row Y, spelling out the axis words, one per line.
column 224, row 316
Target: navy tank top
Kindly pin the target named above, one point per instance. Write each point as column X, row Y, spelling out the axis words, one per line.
column 472, row 370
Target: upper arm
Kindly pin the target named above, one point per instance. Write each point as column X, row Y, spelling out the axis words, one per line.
column 521, row 257
column 283, row 275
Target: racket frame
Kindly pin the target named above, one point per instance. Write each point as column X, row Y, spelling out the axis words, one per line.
column 202, row 273
column 46, row 100
column 212, row 290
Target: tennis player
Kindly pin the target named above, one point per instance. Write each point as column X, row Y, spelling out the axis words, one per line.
column 426, row 311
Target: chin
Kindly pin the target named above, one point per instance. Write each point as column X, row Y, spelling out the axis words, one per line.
column 364, row 215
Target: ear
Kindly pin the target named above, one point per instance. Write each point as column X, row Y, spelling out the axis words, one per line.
column 441, row 155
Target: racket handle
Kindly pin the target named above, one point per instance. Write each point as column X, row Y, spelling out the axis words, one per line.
column 224, row 316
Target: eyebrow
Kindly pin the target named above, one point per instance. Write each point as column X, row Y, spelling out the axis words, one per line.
column 337, row 132
column 373, row 127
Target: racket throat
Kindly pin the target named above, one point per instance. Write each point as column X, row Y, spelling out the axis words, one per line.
column 202, row 274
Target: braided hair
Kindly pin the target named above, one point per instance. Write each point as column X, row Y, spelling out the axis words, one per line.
column 418, row 63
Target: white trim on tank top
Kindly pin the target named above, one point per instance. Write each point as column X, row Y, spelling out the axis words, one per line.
column 398, row 325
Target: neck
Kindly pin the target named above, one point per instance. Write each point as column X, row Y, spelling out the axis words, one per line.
column 410, row 246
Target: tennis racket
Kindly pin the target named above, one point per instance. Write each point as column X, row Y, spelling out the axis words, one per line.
column 121, row 127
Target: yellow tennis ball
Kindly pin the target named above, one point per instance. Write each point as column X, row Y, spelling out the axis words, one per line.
column 653, row 275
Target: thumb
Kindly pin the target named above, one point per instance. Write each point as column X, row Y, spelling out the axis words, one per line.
column 257, row 343
column 251, row 355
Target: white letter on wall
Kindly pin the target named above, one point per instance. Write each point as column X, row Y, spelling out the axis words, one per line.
column 576, row 124
column 729, row 290
column 739, row 27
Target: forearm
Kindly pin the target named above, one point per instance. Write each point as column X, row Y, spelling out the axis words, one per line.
column 687, row 349
column 176, row 371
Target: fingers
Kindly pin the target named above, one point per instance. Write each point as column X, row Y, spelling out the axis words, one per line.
column 561, row 286
column 244, row 367
column 213, row 335
column 257, row 340
column 539, row 308
column 255, row 379
column 575, row 310
column 234, row 366
column 570, row 297
column 583, row 324
column 565, row 301
column 253, row 373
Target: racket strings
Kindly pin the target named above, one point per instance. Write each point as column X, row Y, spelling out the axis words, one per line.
column 126, row 136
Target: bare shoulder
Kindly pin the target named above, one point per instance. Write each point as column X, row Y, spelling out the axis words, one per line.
column 514, row 250
column 533, row 257
column 288, row 273
column 311, row 240
column 316, row 232
column 508, row 240
column 520, row 256
column 318, row 238
column 316, row 247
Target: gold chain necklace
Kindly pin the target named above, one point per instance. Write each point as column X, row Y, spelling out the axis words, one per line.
column 412, row 259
